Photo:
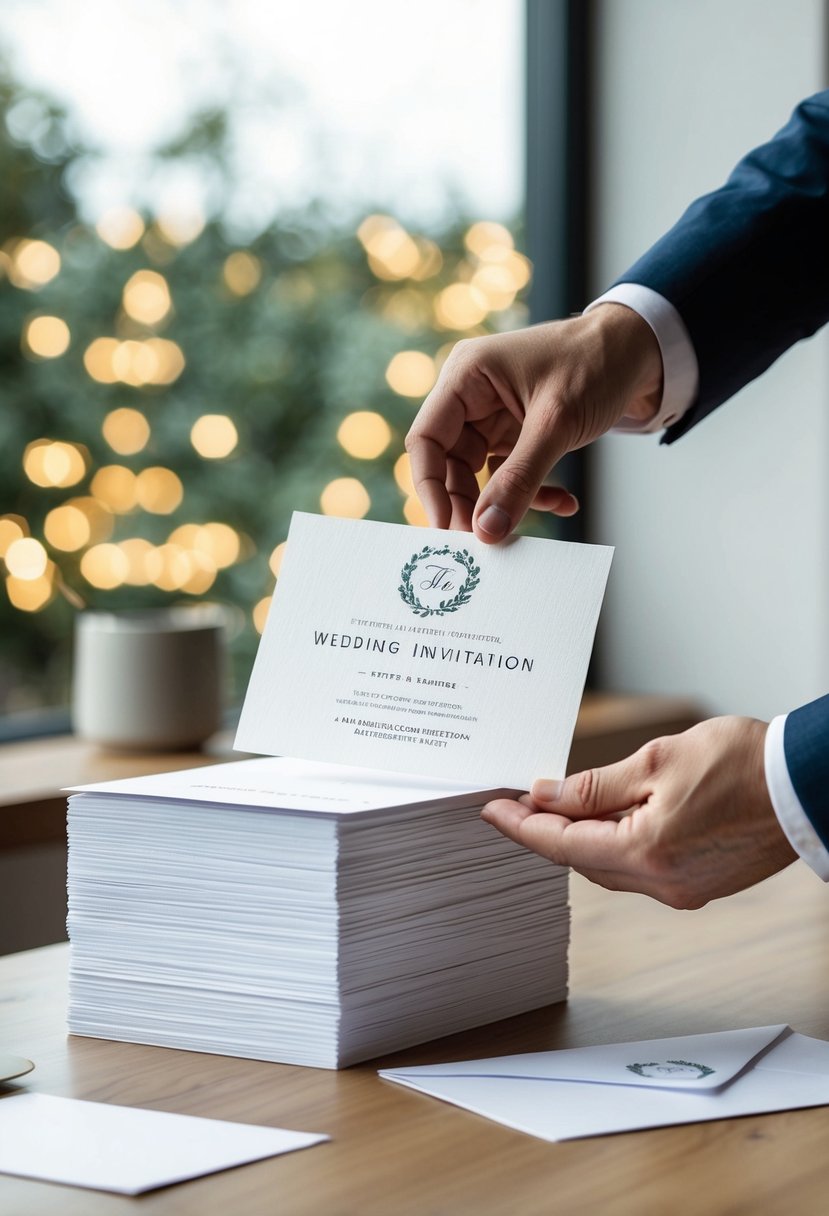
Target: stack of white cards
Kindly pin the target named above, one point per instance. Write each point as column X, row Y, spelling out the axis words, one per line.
column 296, row 911
column 302, row 912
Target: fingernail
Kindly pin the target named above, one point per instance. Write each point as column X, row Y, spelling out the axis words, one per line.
column 547, row 791
column 494, row 521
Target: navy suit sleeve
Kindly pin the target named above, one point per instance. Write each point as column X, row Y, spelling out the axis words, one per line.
column 806, row 745
column 747, row 267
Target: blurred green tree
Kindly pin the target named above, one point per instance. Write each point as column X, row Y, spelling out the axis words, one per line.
column 169, row 398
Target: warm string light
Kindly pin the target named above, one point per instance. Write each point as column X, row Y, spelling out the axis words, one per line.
column 67, row 528
column 364, row 434
column 146, row 297
column 214, row 436
column 48, row 463
column 180, row 227
column 120, row 227
column 26, row 559
column 242, row 272
column 31, row 264
column 260, row 613
column 45, row 337
column 133, row 362
column 411, row 373
column 32, row 595
column 12, row 528
column 275, row 559
column 488, row 280
column 346, row 497
column 126, row 431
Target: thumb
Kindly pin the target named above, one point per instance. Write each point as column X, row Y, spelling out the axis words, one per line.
column 597, row 792
column 508, row 494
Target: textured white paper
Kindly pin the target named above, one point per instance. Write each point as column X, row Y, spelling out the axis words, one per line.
column 283, row 784
column 123, row 1149
column 622, row 1087
column 425, row 651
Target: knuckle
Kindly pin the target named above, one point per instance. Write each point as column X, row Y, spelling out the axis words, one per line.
column 464, row 358
column 653, row 756
column 517, row 480
column 585, row 786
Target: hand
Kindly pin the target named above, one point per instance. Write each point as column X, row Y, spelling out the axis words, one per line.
column 526, row 399
column 686, row 819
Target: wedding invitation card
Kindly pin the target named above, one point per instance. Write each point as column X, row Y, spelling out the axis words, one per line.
column 425, row 651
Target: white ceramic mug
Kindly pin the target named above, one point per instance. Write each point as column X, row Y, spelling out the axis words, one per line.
column 149, row 679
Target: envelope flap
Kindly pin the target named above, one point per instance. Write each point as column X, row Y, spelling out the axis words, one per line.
column 689, row 1062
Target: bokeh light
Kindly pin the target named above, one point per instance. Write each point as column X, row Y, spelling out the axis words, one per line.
column 159, row 490
column 98, row 357
column 221, row 542
column 260, row 613
column 47, row 463
column 180, row 227
column 403, row 474
column 46, row 337
column 415, row 513
column 431, row 260
column 485, row 236
column 98, row 516
column 134, row 363
column 26, row 558
column 460, row 306
column 411, row 373
column 105, row 567
column 146, row 297
column 214, row 436
column 120, row 227
column 364, row 434
column 67, row 528
column 346, row 497
column 30, row 595
column 12, row 528
column 116, row 487
column 392, row 253
column 32, row 264
column 202, row 574
column 275, row 559
column 216, row 541
column 138, row 553
column 153, row 361
column 242, row 272
column 170, row 361
column 169, row 567
column 126, row 431
column 497, row 282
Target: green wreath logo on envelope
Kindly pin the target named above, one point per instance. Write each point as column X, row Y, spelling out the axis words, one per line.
column 437, row 581
column 676, row 1070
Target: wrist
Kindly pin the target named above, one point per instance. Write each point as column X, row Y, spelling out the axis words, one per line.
column 632, row 347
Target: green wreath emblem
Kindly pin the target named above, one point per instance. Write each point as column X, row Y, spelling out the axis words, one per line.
column 702, row 1069
column 463, row 557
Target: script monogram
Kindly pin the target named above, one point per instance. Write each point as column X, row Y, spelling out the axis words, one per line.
column 439, row 580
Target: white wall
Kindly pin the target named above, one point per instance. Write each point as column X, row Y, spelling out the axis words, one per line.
column 720, row 587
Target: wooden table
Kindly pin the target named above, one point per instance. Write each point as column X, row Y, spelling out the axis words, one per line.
column 638, row 971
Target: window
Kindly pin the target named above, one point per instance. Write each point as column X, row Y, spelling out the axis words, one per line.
column 236, row 244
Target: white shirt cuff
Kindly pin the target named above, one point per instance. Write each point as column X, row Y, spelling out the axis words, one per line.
column 680, row 371
column 790, row 814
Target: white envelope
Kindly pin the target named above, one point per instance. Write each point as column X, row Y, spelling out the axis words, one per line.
column 594, row 1091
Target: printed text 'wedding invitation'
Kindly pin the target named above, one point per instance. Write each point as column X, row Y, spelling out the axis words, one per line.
column 425, row 651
